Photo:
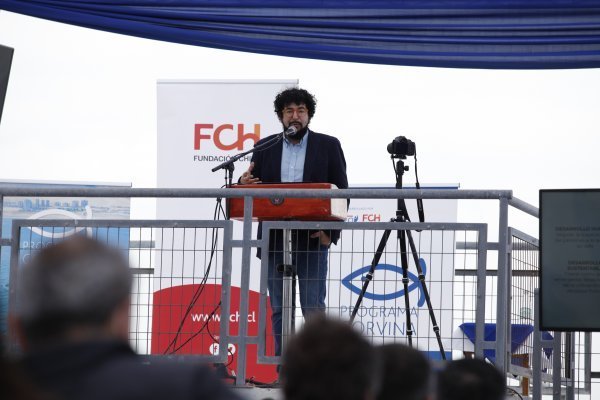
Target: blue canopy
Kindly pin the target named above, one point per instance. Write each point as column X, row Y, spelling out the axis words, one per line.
column 503, row 34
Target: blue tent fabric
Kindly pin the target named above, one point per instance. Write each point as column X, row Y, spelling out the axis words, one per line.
column 492, row 34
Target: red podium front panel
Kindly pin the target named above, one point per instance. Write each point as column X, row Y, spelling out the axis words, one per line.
column 290, row 208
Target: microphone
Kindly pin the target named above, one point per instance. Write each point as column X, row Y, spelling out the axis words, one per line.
column 290, row 131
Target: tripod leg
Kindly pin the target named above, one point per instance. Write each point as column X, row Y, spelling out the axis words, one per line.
column 369, row 277
column 404, row 262
column 436, row 329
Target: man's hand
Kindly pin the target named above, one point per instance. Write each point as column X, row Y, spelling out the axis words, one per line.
column 247, row 177
column 323, row 237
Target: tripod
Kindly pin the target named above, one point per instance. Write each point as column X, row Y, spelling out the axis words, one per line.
column 403, row 235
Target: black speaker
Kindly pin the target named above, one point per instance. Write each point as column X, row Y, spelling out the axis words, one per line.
column 6, row 55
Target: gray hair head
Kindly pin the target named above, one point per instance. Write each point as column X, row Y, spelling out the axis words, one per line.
column 78, row 282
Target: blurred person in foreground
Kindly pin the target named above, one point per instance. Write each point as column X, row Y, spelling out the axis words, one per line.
column 329, row 360
column 472, row 379
column 406, row 373
column 72, row 320
column 14, row 383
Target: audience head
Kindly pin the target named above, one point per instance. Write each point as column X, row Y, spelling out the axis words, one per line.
column 405, row 373
column 76, row 289
column 329, row 360
column 472, row 379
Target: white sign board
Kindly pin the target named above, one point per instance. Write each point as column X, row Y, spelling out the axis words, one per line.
column 200, row 125
column 570, row 259
column 382, row 314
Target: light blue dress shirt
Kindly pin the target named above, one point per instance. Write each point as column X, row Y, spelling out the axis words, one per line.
column 292, row 160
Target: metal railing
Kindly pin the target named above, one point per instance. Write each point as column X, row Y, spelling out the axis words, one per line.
column 481, row 294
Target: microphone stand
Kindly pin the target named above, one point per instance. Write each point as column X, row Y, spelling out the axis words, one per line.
column 229, row 166
column 287, row 268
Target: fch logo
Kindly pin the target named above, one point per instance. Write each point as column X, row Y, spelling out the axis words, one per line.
column 364, row 218
column 415, row 284
column 219, row 134
column 371, row 217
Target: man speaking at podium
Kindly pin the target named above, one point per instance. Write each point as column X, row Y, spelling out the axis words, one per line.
column 302, row 156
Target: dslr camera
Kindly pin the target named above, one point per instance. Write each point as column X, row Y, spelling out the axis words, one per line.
column 401, row 147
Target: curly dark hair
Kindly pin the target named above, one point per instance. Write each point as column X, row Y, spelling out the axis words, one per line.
column 297, row 96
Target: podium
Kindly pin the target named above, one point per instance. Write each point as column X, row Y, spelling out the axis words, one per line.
column 289, row 208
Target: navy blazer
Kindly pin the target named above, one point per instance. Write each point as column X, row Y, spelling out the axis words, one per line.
column 324, row 163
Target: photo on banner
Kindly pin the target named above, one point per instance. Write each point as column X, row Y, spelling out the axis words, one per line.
column 64, row 208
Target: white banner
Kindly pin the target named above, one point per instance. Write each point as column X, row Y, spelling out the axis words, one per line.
column 200, row 125
column 382, row 314
column 203, row 123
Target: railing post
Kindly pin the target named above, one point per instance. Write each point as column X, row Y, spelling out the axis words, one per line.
column 13, row 283
column 482, row 250
column 3, row 323
column 287, row 269
column 587, row 363
column 536, row 363
column 1, row 214
column 556, row 366
column 570, row 365
column 502, row 307
column 244, row 292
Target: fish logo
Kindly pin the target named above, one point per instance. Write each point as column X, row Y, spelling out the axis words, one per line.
column 413, row 279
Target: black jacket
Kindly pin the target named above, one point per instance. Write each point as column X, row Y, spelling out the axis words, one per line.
column 111, row 370
column 324, row 163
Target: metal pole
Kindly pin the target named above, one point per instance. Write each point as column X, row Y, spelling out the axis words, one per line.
column 288, row 292
column 244, row 290
column 372, row 193
column 1, row 215
column 556, row 366
column 536, row 363
column 587, row 354
column 3, row 325
column 570, row 365
column 13, row 283
column 481, row 285
column 502, row 348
